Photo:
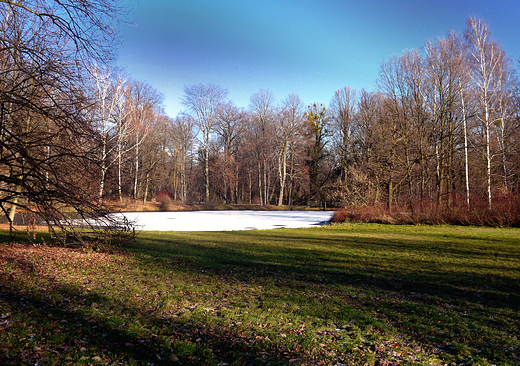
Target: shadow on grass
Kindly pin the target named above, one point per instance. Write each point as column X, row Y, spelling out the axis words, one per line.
column 382, row 265
column 81, row 329
column 461, row 301
column 445, row 298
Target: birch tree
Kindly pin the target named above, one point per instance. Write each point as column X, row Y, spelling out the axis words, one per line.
column 107, row 95
column 488, row 70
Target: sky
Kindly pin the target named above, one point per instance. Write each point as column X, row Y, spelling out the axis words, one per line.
column 308, row 47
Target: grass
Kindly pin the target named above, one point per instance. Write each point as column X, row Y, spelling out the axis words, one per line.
column 360, row 294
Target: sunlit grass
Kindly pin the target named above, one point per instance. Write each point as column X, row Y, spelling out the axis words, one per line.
column 345, row 294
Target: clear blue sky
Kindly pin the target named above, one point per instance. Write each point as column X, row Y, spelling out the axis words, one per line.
column 309, row 47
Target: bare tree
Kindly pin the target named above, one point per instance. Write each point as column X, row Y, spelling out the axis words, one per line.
column 443, row 97
column 488, row 71
column 87, row 29
column 203, row 103
column 342, row 110
column 181, row 145
column 399, row 82
column 262, row 106
column 290, row 122
column 42, row 105
column 107, row 95
column 143, row 101
column 231, row 123
column 504, row 124
column 317, row 135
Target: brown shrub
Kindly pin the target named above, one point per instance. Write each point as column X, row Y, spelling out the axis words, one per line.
column 165, row 201
column 505, row 212
column 339, row 215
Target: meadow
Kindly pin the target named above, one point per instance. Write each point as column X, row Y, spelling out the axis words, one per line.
column 345, row 294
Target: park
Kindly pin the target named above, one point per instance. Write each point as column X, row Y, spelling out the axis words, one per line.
column 349, row 293
column 161, row 206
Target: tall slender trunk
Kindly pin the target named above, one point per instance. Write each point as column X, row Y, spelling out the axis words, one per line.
column 119, row 178
column 439, row 174
column 136, row 165
column 236, row 183
column 206, row 169
column 250, row 187
column 282, row 169
column 14, row 204
column 502, row 147
column 466, row 162
column 225, row 178
column 18, row 189
column 488, row 156
column 146, row 187
column 102, row 173
column 266, row 183
column 260, row 188
column 183, row 181
column 291, row 183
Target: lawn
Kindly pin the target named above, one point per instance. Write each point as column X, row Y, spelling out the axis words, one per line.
column 360, row 294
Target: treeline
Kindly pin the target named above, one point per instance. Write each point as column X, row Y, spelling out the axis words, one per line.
column 441, row 130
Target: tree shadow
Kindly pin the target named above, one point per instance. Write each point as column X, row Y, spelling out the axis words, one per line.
column 422, row 273
column 65, row 332
column 403, row 292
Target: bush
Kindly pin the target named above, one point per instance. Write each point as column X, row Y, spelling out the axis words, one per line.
column 165, row 201
column 505, row 212
column 339, row 216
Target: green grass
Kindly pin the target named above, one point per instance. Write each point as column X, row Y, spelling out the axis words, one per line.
column 345, row 294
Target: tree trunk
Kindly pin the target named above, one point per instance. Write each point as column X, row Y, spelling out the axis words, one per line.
column 136, row 164
column 206, row 170
column 488, row 157
column 283, row 173
column 466, row 162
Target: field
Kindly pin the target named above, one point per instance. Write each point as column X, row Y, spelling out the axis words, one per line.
column 347, row 294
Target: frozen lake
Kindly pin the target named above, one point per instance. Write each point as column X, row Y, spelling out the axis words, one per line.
column 227, row 220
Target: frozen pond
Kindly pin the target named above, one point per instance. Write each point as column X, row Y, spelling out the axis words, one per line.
column 226, row 220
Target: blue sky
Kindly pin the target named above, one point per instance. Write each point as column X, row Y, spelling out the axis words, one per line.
column 307, row 47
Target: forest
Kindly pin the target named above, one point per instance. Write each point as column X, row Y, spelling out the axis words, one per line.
column 438, row 137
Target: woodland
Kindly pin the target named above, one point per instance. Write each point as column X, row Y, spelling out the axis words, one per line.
column 437, row 141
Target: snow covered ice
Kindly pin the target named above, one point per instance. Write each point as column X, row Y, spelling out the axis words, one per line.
column 226, row 220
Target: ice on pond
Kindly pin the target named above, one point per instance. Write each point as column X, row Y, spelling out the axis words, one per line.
column 226, row 220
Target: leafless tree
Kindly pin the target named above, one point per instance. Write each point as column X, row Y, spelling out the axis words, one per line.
column 181, row 145
column 489, row 69
column 317, row 133
column 342, row 110
column 263, row 106
column 42, row 105
column 107, row 94
column 203, row 103
column 290, row 124
column 230, row 125
column 88, row 29
column 143, row 102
